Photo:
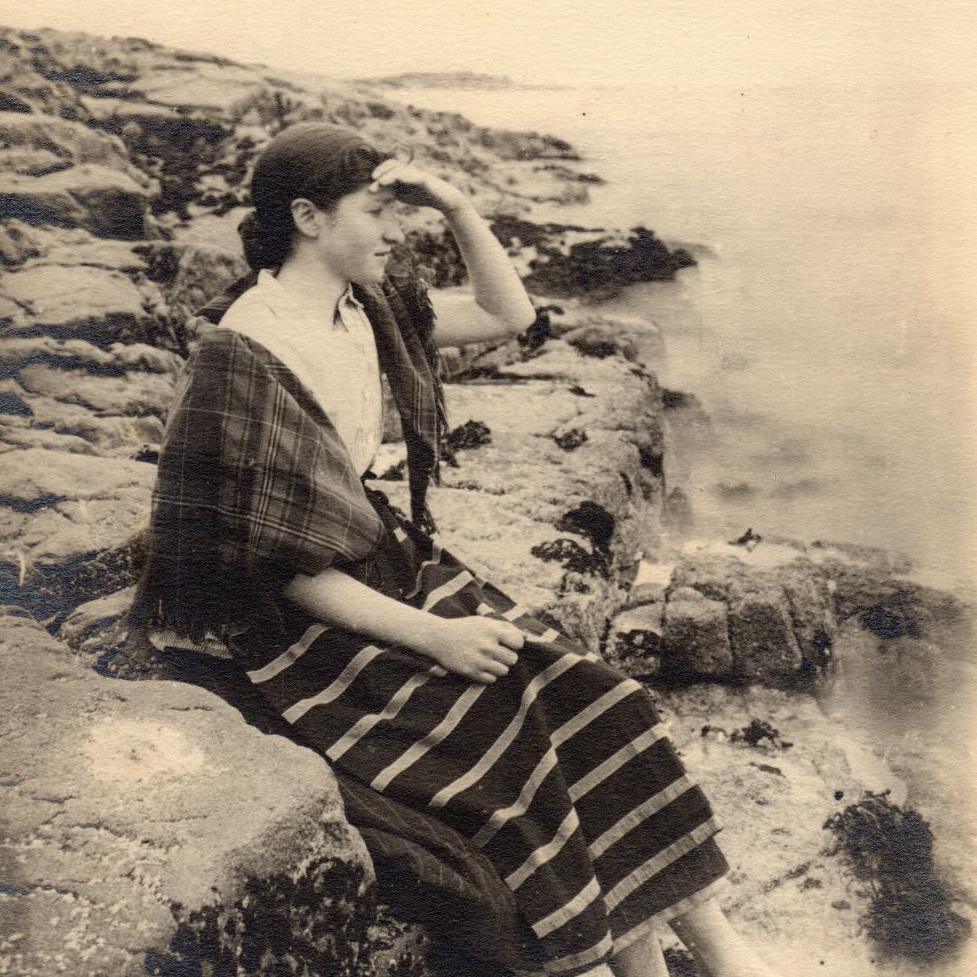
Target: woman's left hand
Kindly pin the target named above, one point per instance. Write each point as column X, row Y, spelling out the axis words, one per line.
column 415, row 186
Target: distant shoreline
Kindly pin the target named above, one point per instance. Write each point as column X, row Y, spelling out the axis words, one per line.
column 467, row 80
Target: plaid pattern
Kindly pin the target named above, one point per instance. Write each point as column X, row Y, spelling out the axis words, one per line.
column 253, row 486
column 411, row 363
column 403, row 324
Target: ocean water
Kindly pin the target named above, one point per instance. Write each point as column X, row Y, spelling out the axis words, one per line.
column 828, row 329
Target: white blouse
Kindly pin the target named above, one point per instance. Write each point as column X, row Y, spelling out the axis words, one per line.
column 336, row 360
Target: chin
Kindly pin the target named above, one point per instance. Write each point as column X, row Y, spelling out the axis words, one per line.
column 372, row 277
column 373, row 274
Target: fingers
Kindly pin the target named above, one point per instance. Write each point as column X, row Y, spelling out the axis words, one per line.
column 508, row 635
column 505, row 656
column 387, row 164
column 381, row 170
column 513, row 638
column 493, row 667
column 391, row 171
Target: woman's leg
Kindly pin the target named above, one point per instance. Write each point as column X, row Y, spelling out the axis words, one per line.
column 642, row 959
column 718, row 950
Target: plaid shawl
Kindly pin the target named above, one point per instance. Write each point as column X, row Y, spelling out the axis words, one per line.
column 403, row 324
column 255, row 485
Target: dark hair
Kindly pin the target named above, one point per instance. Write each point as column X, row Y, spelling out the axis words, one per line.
column 319, row 162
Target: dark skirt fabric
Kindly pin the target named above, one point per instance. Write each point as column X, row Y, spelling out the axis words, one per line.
column 560, row 774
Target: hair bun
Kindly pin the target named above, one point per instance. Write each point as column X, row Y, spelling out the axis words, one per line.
column 262, row 248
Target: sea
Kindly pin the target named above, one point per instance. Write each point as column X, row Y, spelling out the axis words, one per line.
column 828, row 332
column 829, row 327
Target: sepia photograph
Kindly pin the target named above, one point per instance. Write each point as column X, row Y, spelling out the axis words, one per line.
column 488, row 490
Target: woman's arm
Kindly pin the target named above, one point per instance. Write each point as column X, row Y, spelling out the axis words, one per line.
column 480, row 649
column 499, row 306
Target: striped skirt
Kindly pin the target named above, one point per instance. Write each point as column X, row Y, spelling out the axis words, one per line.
column 560, row 773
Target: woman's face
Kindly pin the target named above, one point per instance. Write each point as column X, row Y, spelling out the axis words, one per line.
column 356, row 236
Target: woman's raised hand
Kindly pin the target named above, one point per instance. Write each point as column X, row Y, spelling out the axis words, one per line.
column 481, row 649
column 415, row 186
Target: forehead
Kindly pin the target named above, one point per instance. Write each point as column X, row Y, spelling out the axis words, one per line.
column 364, row 198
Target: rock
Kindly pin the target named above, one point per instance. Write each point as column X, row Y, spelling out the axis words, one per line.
column 696, row 638
column 761, row 634
column 111, row 436
column 34, row 437
column 12, row 401
column 19, row 352
column 10, row 103
column 106, row 202
column 140, row 356
column 783, row 882
column 811, row 610
column 212, row 88
column 15, row 246
column 635, row 640
column 59, row 143
column 875, row 587
column 78, row 302
column 87, row 624
column 70, row 246
column 67, row 526
column 131, row 394
column 638, row 339
column 121, row 800
column 30, row 483
column 781, row 620
column 600, row 341
column 582, row 616
column 189, row 274
column 650, row 583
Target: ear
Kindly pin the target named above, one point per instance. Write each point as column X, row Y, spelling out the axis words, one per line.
column 306, row 215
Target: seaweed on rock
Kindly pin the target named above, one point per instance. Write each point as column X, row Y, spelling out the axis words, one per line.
column 573, row 556
column 471, row 434
column 317, row 924
column 891, row 849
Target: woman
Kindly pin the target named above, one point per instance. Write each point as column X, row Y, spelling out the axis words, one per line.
column 417, row 680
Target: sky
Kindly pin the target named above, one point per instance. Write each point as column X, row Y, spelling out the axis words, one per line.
column 663, row 42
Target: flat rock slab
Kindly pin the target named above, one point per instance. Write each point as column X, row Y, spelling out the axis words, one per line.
column 120, row 799
column 64, row 141
column 18, row 352
column 514, row 494
column 213, row 87
column 31, row 482
column 130, row 395
column 110, row 436
column 102, row 305
column 27, row 244
column 67, row 522
column 792, row 899
column 777, row 608
column 104, row 201
column 13, row 435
